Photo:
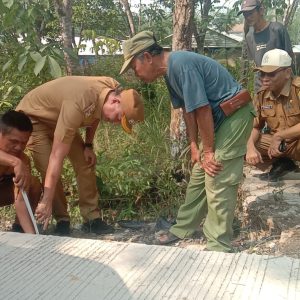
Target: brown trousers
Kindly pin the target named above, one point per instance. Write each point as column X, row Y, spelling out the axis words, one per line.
column 40, row 145
column 8, row 193
column 292, row 151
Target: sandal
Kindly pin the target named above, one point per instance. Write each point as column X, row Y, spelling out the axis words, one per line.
column 167, row 238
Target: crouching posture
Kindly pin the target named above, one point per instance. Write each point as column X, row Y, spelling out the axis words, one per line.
column 278, row 106
column 15, row 130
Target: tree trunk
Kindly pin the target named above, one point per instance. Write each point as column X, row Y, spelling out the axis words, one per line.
column 129, row 16
column 244, row 58
column 200, row 32
column 290, row 13
column 64, row 10
column 182, row 25
column 182, row 40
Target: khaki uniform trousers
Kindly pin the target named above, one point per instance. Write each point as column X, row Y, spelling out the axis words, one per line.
column 263, row 144
column 40, row 145
column 214, row 198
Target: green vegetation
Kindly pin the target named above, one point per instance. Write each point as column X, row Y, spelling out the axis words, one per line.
column 137, row 177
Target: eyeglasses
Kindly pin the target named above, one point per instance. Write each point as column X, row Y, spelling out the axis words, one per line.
column 271, row 74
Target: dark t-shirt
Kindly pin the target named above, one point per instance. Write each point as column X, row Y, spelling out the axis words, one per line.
column 275, row 36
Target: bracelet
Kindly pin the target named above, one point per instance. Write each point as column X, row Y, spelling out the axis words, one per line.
column 88, row 145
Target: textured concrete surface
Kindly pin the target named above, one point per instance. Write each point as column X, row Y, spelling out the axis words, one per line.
column 272, row 209
column 49, row 267
column 285, row 189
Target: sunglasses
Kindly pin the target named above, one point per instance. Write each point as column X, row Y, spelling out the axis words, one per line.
column 271, row 74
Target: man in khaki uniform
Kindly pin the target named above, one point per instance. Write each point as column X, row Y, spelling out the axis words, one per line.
column 58, row 109
column 277, row 103
column 15, row 129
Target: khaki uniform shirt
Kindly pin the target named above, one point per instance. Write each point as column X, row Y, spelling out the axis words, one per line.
column 281, row 112
column 68, row 103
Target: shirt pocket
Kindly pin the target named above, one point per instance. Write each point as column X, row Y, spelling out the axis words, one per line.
column 268, row 113
column 292, row 111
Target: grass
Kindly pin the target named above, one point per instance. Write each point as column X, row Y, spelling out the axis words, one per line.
column 136, row 175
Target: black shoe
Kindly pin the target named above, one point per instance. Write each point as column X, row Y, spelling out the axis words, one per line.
column 62, row 228
column 17, row 228
column 279, row 168
column 97, row 226
column 164, row 224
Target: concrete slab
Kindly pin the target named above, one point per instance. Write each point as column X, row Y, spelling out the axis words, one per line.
column 286, row 189
column 50, row 267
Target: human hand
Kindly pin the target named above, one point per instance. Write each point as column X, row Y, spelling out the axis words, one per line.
column 253, row 157
column 43, row 213
column 90, row 156
column 273, row 150
column 22, row 175
column 210, row 165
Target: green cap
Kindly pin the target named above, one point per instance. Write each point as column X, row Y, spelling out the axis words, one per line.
column 136, row 45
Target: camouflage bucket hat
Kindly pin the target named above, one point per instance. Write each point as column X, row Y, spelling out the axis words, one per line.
column 136, row 45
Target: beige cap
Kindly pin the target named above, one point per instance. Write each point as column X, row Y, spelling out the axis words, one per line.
column 273, row 60
column 248, row 5
column 136, row 45
column 133, row 109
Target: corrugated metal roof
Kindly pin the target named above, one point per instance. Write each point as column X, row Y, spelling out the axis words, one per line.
column 217, row 39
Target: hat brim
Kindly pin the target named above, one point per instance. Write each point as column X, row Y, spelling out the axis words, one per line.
column 125, row 125
column 249, row 8
column 126, row 65
column 266, row 69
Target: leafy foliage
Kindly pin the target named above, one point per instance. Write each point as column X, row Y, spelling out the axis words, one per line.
column 137, row 177
column 22, row 52
column 138, row 168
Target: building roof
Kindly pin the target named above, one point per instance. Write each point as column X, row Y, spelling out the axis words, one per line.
column 218, row 39
column 296, row 48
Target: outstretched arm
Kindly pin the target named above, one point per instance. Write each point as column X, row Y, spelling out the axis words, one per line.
column 58, row 153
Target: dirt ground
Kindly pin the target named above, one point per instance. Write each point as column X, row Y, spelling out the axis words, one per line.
column 264, row 226
column 255, row 241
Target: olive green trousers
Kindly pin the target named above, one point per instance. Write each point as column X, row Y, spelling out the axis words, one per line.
column 214, row 198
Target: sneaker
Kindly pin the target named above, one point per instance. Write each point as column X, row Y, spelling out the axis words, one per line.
column 97, row 226
column 17, row 228
column 62, row 228
column 164, row 224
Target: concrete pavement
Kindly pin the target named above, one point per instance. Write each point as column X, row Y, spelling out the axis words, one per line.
column 50, row 267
